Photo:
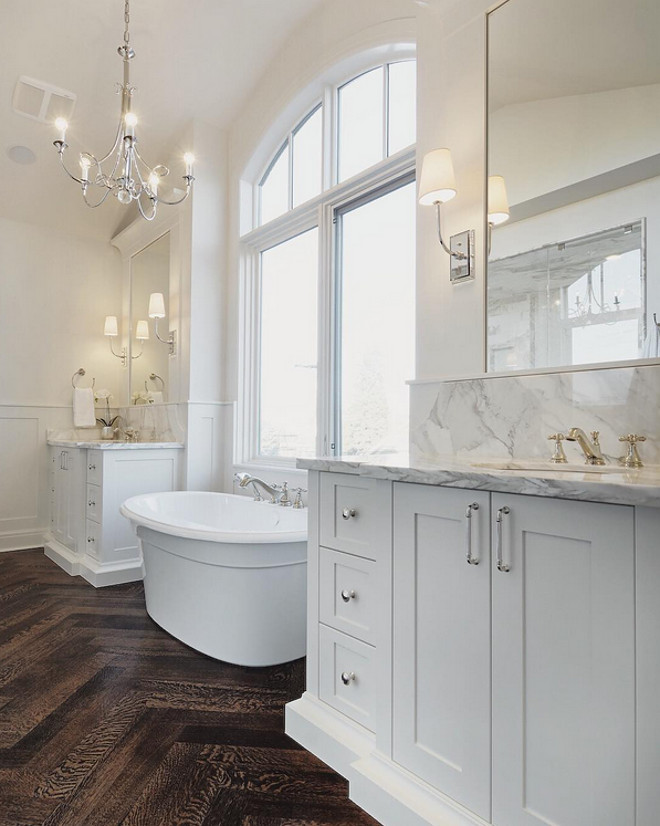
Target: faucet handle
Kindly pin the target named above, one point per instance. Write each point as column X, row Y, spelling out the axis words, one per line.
column 594, row 436
column 298, row 501
column 558, row 457
column 631, row 459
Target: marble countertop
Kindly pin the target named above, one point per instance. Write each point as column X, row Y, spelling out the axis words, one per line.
column 614, row 485
column 111, row 444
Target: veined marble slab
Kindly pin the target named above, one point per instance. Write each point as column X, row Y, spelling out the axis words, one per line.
column 512, row 416
column 625, row 487
column 111, row 444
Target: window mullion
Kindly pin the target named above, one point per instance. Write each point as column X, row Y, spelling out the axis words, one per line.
column 386, row 110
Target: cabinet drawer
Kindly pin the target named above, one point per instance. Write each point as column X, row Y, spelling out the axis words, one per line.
column 94, row 467
column 92, row 539
column 94, row 502
column 355, row 514
column 347, row 592
column 346, row 676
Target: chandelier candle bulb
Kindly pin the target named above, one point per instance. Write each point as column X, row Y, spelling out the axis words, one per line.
column 84, row 167
column 131, row 121
column 153, row 184
column 189, row 160
column 61, row 125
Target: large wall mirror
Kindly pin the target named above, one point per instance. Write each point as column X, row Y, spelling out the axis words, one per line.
column 574, row 132
column 150, row 275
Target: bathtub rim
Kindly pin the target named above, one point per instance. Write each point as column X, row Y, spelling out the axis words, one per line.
column 211, row 535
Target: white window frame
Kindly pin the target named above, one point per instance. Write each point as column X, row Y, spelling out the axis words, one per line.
column 317, row 212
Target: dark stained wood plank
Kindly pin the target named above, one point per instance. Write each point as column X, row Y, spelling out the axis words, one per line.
column 106, row 719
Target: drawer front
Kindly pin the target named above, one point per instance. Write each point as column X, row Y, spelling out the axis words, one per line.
column 355, row 514
column 94, row 467
column 93, row 538
column 346, row 676
column 347, row 593
column 94, row 502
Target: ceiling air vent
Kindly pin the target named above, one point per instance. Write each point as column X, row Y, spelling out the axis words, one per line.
column 41, row 101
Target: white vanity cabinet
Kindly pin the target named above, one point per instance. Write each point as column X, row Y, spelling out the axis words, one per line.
column 67, row 510
column 100, row 544
column 516, row 675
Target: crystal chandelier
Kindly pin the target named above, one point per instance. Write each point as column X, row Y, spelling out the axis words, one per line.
column 126, row 175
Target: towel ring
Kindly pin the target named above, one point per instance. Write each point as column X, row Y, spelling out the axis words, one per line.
column 153, row 377
column 655, row 320
column 80, row 372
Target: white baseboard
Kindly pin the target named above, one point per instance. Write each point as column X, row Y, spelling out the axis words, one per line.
column 97, row 574
column 21, row 540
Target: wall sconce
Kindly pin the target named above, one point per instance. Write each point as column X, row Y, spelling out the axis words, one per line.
column 498, row 204
column 437, row 185
column 111, row 329
column 156, row 311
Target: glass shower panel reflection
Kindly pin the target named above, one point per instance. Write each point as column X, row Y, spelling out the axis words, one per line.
column 574, row 302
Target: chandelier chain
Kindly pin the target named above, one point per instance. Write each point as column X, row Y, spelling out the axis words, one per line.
column 127, row 18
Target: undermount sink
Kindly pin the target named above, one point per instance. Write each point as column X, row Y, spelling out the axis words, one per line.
column 511, row 464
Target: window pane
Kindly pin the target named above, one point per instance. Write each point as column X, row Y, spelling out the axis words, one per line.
column 287, row 425
column 378, row 322
column 275, row 188
column 402, row 105
column 360, row 123
column 307, row 158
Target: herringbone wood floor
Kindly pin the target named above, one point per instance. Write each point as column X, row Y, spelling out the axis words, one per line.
column 105, row 719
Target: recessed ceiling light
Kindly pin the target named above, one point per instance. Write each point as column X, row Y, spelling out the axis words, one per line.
column 21, row 154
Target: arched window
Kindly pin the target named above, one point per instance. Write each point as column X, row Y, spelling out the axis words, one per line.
column 328, row 276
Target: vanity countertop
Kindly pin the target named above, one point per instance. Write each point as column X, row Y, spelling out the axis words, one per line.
column 612, row 485
column 110, row 444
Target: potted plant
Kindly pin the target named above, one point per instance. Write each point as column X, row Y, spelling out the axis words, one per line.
column 107, row 421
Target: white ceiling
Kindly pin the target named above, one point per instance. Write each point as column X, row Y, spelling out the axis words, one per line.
column 194, row 58
column 540, row 50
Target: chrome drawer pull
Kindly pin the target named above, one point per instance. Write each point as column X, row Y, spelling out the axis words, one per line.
column 91, row 467
column 347, row 513
column 502, row 512
column 347, row 596
column 91, row 503
column 471, row 560
column 347, row 677
column 91, row 539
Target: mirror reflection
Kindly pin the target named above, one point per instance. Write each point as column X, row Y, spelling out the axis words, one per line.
column 574, row 133
column 150, row 275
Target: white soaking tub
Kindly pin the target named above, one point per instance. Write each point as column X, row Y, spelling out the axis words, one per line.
column 224, row 574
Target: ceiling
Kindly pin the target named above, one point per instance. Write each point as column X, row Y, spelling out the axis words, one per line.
column 539, row 50
column 194, row 58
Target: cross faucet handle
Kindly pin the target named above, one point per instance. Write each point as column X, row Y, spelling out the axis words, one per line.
column 558, row 457
column 631, row 459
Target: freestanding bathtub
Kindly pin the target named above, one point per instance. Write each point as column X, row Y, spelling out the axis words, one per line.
column 224, row 574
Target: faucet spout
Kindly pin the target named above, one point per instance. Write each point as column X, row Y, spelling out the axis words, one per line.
column 591, row 449
column 244, row 479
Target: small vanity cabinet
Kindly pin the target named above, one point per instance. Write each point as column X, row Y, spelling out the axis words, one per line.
column 88, row 535
column 506, row 669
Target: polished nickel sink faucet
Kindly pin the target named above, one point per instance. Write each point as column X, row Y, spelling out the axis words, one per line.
column 591, row 449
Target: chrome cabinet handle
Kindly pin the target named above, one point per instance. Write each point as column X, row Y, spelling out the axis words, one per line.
column 347, row 677
column 471, row 560
column 347, row 596
column 91, row 467
column 501, row 513
column 91, row 539
column 347, row 513
column 91, row 503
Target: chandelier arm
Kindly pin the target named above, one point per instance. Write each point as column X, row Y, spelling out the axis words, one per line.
column 143, row 213
column 183, row 197
column 102, row 201
column 115, row 145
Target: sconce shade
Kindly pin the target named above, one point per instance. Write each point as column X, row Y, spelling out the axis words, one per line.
column 156, row 305
column 437, row 183
column 498, row 203
column 142, row 330
column 111, row 328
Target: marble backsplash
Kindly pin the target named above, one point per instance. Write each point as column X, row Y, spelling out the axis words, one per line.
column 511, row 416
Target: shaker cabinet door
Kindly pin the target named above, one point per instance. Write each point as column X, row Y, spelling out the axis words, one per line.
column 563, row 663
column 442, row 640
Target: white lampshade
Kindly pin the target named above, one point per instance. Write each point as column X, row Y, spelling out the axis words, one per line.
column 111, row 328
column 156, row 305
column 437, row 183
column 142, row 330
column 498, row 203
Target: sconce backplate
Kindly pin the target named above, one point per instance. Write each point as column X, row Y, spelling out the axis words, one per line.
column 462, row 256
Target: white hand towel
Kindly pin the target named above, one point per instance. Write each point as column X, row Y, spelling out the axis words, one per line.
column 83, row 407
column 651, row 349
